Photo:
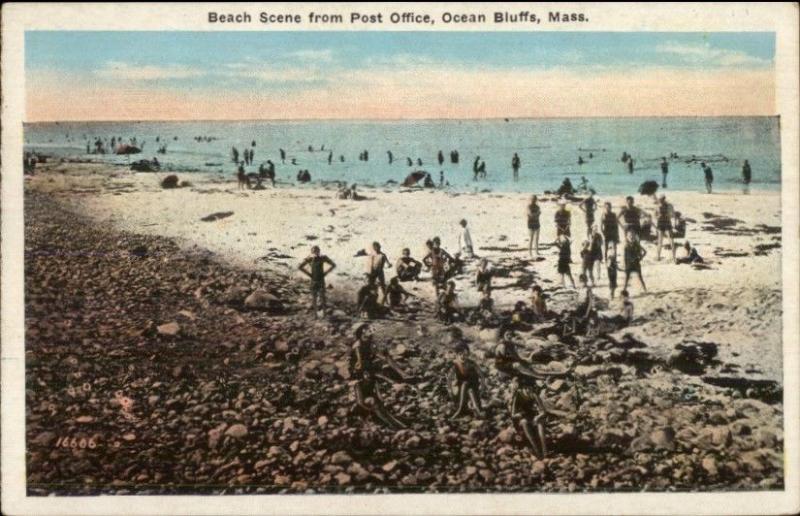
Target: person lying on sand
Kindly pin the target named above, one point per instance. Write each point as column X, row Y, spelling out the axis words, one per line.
column 407, row 268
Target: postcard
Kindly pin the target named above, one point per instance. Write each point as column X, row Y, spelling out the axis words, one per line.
column 385, row 258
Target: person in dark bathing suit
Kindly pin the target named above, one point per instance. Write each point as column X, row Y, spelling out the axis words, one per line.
column 564, row 259
column 314, row 268
column 609, row 225
column 664, row 226
column 534, row 212
column 563, row 220
column 633, row 260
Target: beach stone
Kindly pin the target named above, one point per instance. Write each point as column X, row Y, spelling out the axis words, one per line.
column 341, row 457
column 261, row 300
column 663, row 438
column 238, row 431
column 44, row 438
column 709, row 464
column 169, row 329
column 342, row 478
column 389, row 466
column 171, row 181
column 507, row 435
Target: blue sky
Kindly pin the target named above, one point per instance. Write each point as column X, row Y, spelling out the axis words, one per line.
column 298, row 61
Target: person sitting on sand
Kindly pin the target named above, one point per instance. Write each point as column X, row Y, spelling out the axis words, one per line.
column 465, row 380
column 483, row 276
column 314, row 268
column 465, row 240
column 634, row 252
column 565, row 259
column 563, row 219
column 664, row 226
column 539, row 303
column 483, row 315
column 366, row 371
column 534, row 212
column 449, row 310
column 367, row 303
column 630, row 217
column 407, row 268
column 566, row 189
column 343, row 193
column 396, row 294
column 692, row 256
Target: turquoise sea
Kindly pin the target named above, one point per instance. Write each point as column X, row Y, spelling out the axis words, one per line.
column 549, row 149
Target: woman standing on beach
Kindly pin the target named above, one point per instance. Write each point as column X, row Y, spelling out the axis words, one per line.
column 564, row 259
column 563, row 219
column 534, row 211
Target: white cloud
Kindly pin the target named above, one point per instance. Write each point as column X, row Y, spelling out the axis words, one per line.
column 706, row 54
column 124, row 71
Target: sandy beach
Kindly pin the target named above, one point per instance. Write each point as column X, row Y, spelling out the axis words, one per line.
column 646, row 421
column 273, row 229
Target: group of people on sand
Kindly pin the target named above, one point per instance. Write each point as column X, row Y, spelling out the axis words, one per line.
column 464, row 382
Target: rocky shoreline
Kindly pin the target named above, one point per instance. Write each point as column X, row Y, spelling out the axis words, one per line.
column 153, row 369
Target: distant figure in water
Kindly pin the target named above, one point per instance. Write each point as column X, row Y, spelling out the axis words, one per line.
column 409, row 162
column 664, row 172
column 747, row 176
column 709, row 176
column 482, row 169
column 625, row 157
column 630, row 165
column 580, row 160
column 440, row 157
column 283, row 155
column 391, row 156
column 330, row 157
column 341, row 158
column 441, row 179
column 294, row 161
column 454, row 157
column 419, row 162
column 475, row 169
column 515, row 166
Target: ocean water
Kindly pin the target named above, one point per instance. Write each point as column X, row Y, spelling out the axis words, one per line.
column 549, row 149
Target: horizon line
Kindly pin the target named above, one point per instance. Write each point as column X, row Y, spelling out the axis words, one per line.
column 510, row 118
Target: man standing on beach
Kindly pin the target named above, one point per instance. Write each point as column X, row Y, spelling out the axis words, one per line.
column 534, row 211
column 515, row 163
column 377, row 261
column 633, row 260
column 465, row 240
column 709, row 176
column 630, row 218
column 609, row 225
column 664, row 226
column 314, row 267
column 664, row 172
column 588, row 206
column 563, row 219
column 747, row 176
